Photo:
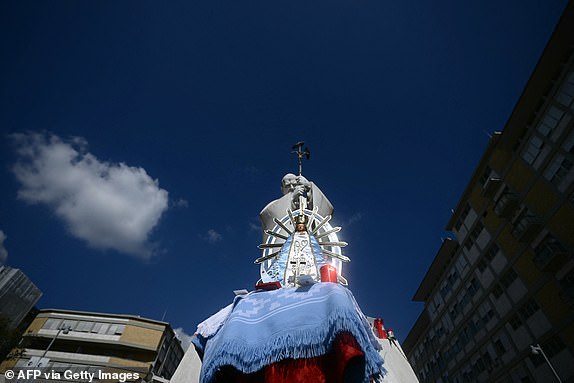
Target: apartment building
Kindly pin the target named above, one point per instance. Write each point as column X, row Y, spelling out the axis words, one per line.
column 18, row 295
column 62, row 340
column 505, row 282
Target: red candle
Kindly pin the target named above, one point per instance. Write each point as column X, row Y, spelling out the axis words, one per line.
column 380, row 329
column 328, row 274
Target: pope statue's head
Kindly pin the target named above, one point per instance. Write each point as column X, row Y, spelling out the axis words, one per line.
column 291, row 181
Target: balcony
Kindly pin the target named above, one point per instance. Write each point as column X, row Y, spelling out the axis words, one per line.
column 551, row 261
column 551, row 255
column 491, row 186
column 506, row 205
column 526, row 228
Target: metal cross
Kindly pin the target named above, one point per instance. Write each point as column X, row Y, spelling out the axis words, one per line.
column 300, row 153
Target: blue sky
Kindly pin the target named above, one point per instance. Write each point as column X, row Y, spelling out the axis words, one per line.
column 140, row 139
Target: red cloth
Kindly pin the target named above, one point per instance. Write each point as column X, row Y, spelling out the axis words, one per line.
column 344, row 362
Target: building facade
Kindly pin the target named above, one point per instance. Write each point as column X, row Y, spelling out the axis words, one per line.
column 62, row 340
column 18, row 295
column 506, row 280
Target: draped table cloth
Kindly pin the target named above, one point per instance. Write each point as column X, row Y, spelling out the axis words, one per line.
column 288, row 332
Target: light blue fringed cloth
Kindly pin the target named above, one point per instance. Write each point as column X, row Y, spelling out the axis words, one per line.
column 265, row 327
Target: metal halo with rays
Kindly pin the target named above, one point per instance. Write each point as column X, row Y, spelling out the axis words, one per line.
column 324, row 233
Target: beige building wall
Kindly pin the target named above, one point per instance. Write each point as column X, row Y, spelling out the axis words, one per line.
column 99, row 341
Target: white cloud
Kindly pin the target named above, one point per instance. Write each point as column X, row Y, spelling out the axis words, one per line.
column 183, row 337
column 109, row 205
column 181, row 203
column 254, row 227
column 212, row 236
column 3, row 251
column 354, row 218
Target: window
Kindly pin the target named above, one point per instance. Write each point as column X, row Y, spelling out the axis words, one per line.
column 485, row 176
column 461, row 264
column 568, row 144
column 528, row 309
column 465, row 299
column 479, row 366
column 497, row 291
column 465, row 212
column 120, row 329
column 108, row 328
column 452, row 278
column 508, row 278
column 482, row 363
column 562, row 171
column 567, row 285
column 439, row 331
column 507, row 203
column 565, row 94
column 52, row 324
column 553, row 346
column 60, row 367
column 468, row 376
column 104, row 328
column 515, row 322
column 473, row 235
column 547, row 250
column 445, row 289
column 472, row 287
column 499, row 347
column 477, row 230
column 481, row 265
column 97, row 327
column 458, row 224
column 537, row 359
column 488, row 256
column 460, row 344
column 550, row 120
column 558, row 169
column 491, row 253
column 440, row 361
column 437, row 303
column 466, row 334
column 454, row 311
column 472, row 328
column 525, row 225
column 84, row 326
column 532, row 149
column 487, row 316
column 489, row 180
column 448, row 283
column 113, row 328
column 71, row 324
column 487, row 360
column 462, row 217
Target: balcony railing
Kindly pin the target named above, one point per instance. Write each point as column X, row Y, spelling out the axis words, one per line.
column 491, row 186
column 506, row 205
column 526, row 228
